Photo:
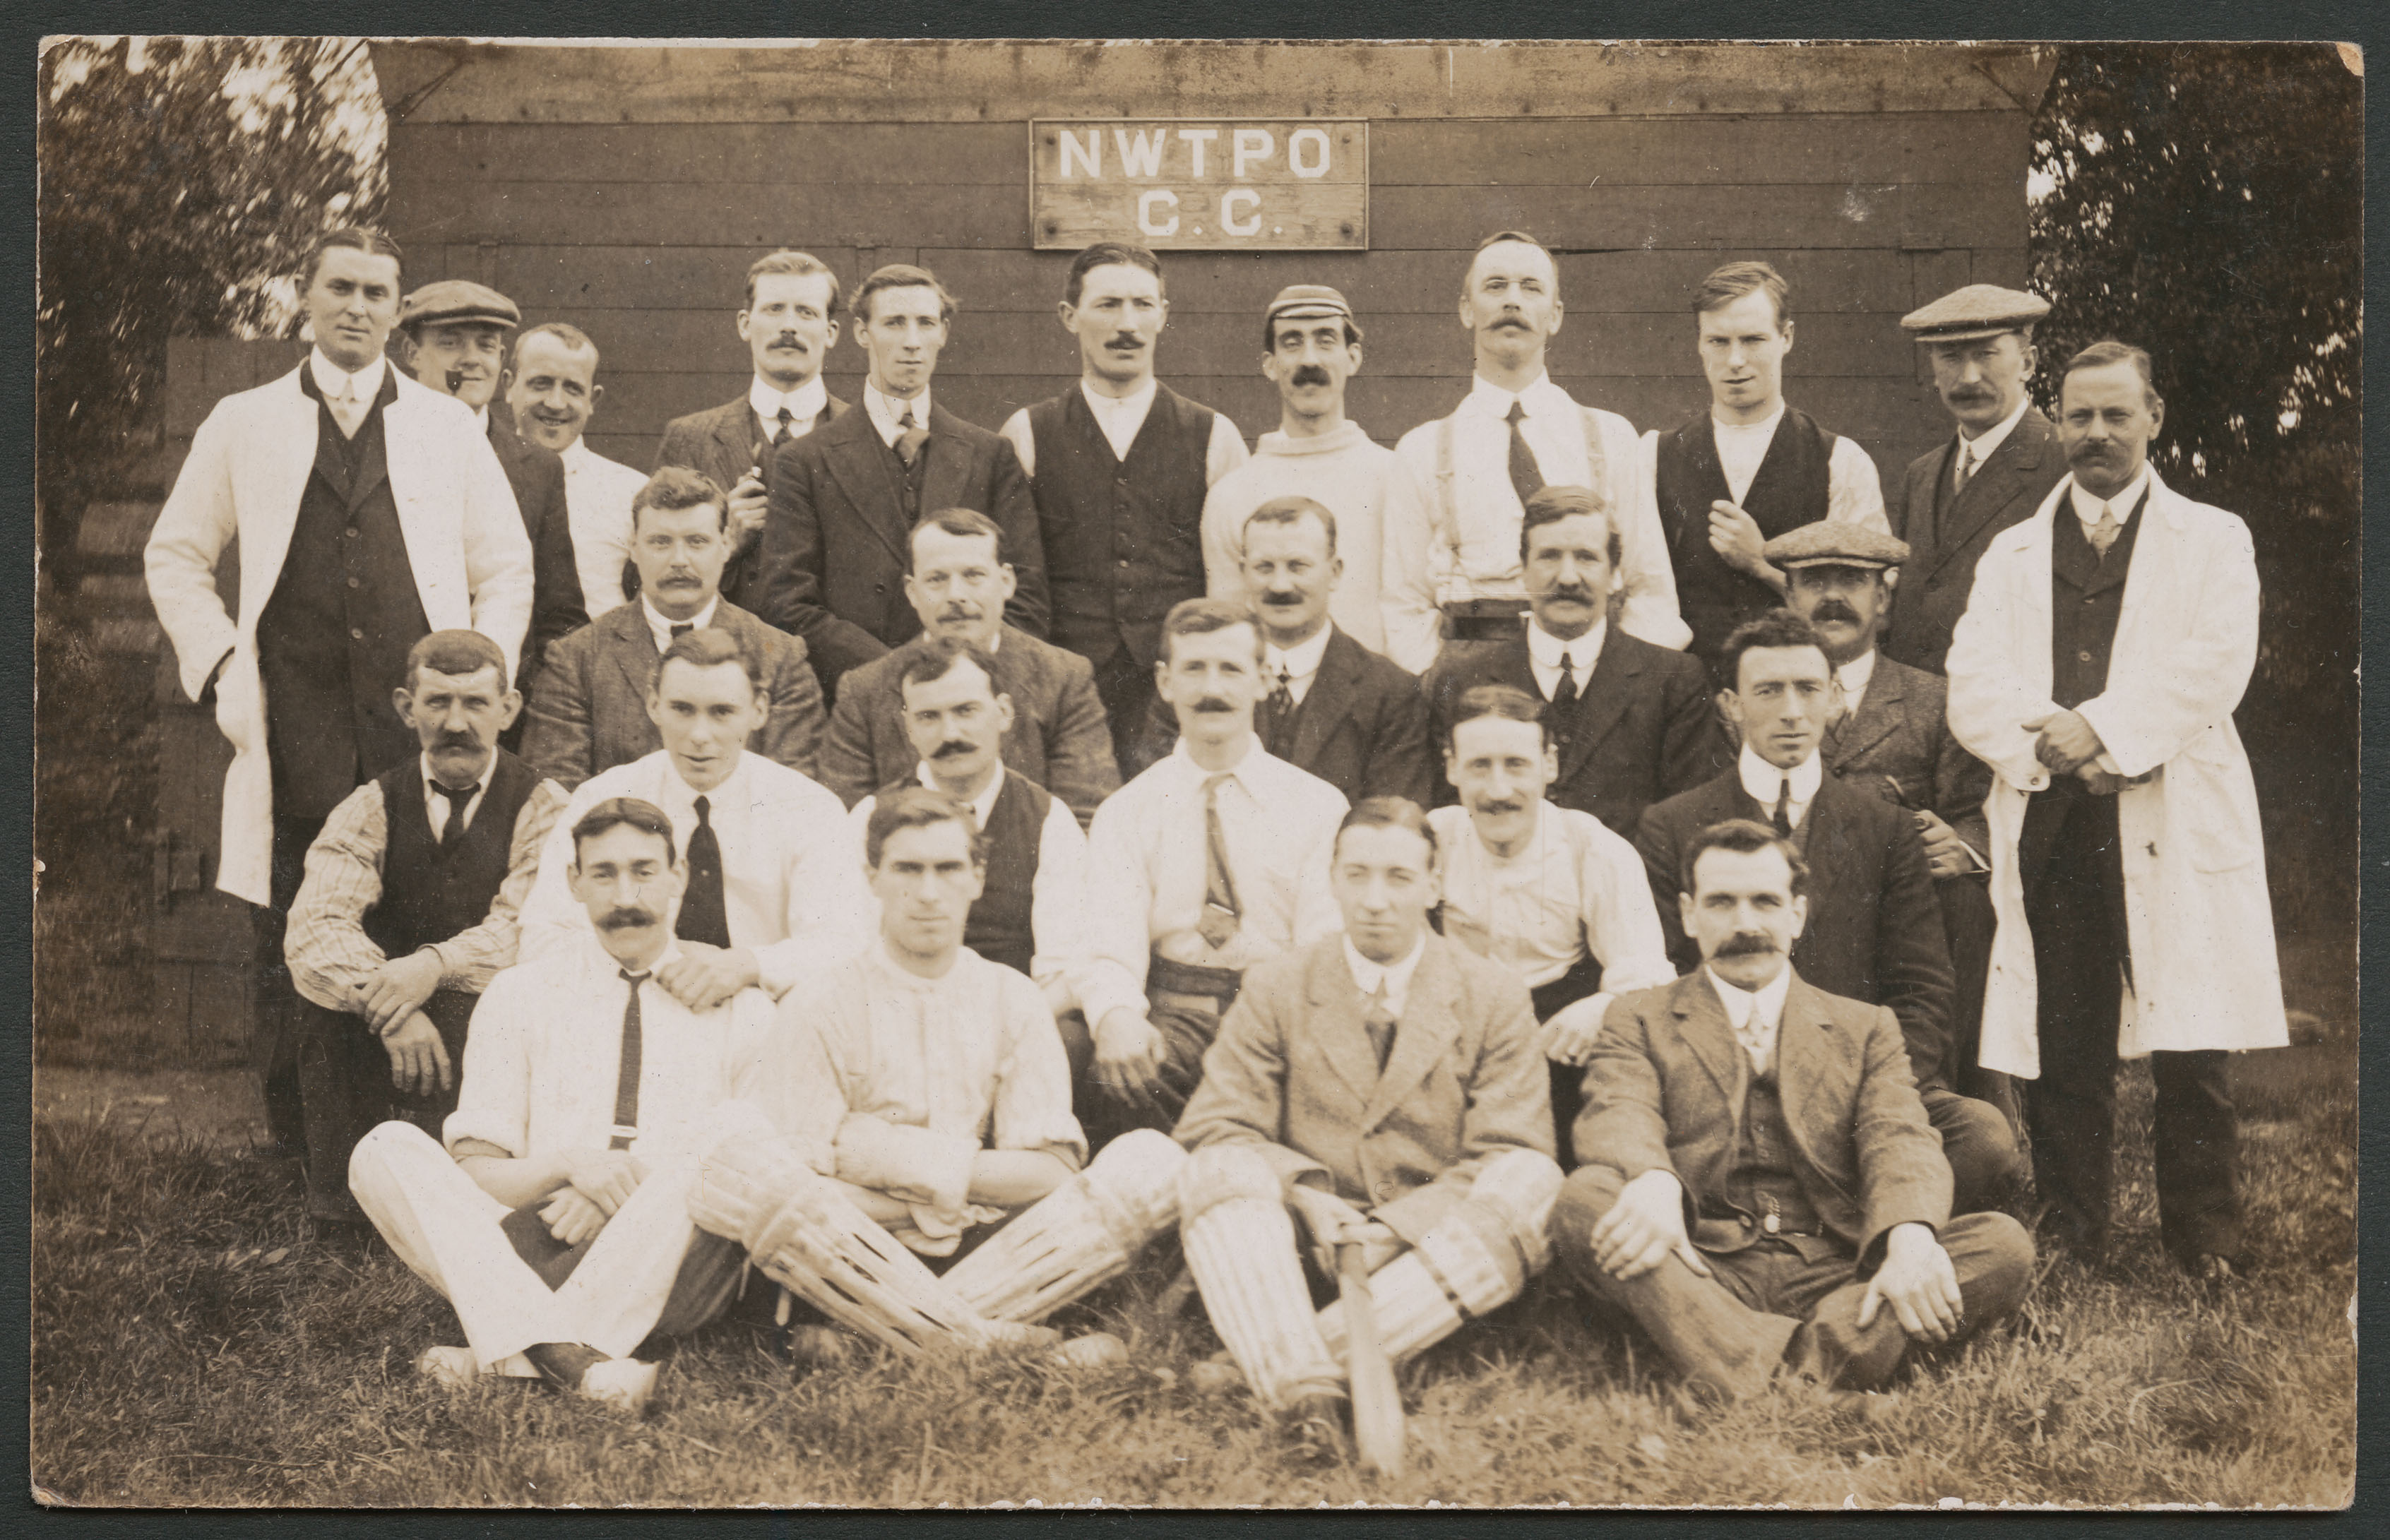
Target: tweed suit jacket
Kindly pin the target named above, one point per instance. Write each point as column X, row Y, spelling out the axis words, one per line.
column 588, row 710
column 538, row 478
column 1665, row 1087
column 1944, row 545
column 1898, row 745
column 721, row 442
column 1291, row 1073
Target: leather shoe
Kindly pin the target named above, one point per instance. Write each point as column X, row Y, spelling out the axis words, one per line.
column 623, row 1383
column 1315, row 1429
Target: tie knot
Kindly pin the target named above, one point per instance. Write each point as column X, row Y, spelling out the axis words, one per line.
column 705, row 807
column 1212, row 784
column 786, row 416
column 906, row 420
column 682, row 628
column 1516, row 415
column 634, row 979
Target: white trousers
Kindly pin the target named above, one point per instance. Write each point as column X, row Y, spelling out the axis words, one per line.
column 446, row 1228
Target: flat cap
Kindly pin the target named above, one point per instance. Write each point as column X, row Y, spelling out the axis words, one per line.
column 1978, row 310
column 453, row 300
column 1835, row 543
column 1303, row 301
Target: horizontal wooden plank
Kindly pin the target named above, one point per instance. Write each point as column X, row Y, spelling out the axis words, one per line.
column 1840, row 147
column 711, row 213
column 438, row 154
column 1800, row 217
column 968, row 81
column 1200, row 217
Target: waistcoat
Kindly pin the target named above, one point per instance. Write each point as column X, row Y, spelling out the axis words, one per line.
column 1763, row 1164
column 1789, row 490
column 2087, row 598
column 429, row 894
column 1123, row 536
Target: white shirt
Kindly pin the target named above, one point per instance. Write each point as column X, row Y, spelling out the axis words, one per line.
column 1577, row 890
column 1058, row 894
column 349, row 395
column 1545, row 650
column 1755, row 1015
column 1363, row 484
column 1854, row 678
column 791, row 875
column 1764, row 781
column 1469, row 550
column 1120, row 420
column 660, row 625
column 1145, row 870
column 1300, row 663
column 437, row 798
column 1854, row 493
column 888, row 413
column 543, row 1061
column 1394, row 978
column 598, row 493
column 804, row 404
column 1975, row 451
column 2089, row 509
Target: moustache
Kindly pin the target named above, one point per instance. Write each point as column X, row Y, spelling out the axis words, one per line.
column 1576, row 592
column 2082, row 452
column 1748, row 944
column 1311, row 374
column 1283, row 600
column 959, row 612
column 456, row 740
column 630, row 916
column 1834, row 610
column 1500, row 806
column 953, row 747
column 788, row 339
column 1214, row 703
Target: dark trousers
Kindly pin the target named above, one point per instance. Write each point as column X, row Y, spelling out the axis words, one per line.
column 1726, row 1333
column 344, row 1085
column 1579, row 982
column 708, row 1279
column 1186, row 1033
column 2075, row 905
column 1967, row 924
column 1125, row 687
column 1985, row 1163
column 277, row 1027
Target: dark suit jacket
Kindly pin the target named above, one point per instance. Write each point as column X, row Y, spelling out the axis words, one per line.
column 537, row 476
column 1060, row 739
column 722, row 443
column 1363, row 727
column 589, row 711
column 1292, row 1074
column 1898, row 745
column 834, row 548
column 1665, row 1092
column 1944, row 547
column 1646, row 726
column 1875, row 926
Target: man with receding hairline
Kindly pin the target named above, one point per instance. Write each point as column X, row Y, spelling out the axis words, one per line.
column 553, row 391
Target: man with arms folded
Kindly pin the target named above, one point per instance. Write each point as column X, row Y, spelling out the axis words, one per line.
column 845, row 497
column 589, row 710
column 1386, row 1085
column 2096, row 670
column 556, row 1219
column 408, row 909
column 553, row 393
column 1633, row 721
column 789, row 323
column 774, row 892
column 1547, row 892
column 1310, row 347
column 1760, row 1187
column 1212, row 861
column 1451, row 567
column 1120, row 467
column 960, row 585
column 369, row 512
column 1750, row 468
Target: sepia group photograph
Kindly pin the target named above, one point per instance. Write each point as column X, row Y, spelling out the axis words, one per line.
column 1258, row 774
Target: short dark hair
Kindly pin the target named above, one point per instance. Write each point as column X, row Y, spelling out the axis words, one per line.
column 1198, row 616
column 1778, row 627
column 353, row 237
column 938, row 656
column 1506, row 701
column 674, row 487
column 918, row 807
column 709, row 647
column 798, row 264
column 1742, row 835
column 572, row 337
column 2099, row 356
column 1270, row 324
column 1387, row 813
column 1288, row 510
column 899, row 275
column 455, row 653
column 615, row 812
column 1728, row 284
column 1497, row 238
column 966, row 522
column 1106, row 253
column 1550, row 504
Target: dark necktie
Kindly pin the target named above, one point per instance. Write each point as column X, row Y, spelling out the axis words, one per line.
column 788, row 424
column 626, row 1082
column 704, row 915
column 1564, row 692
column 682, row 628
column 1784, row 807
column 452, row 828
column 1377, row 1021
column 1525, row 475
column 1278, row 710
column 910, row 436
column 1221, row 915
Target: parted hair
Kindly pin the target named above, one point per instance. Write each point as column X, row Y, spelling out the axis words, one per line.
column 1198, row 616
column 2099, row 356
column 1497, row 238
column 706, row 646
column 1506, row 701
column 919, row 807
column 1550, row 504
column 353, row 237
column 572, row 337
column 965, row 523
column 938, row 657
column 1388, row 813
column 1742, row 835
column 455, row 653
column 1107, row 254
column 615, row 812
column 1778, row 627
column 1728, row 284
column 674, row 487
column 898, row 275
column 795, row 265
column 1291, row 510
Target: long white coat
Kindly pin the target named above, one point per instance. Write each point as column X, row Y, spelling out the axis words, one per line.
column 2198, row 916
column 248, row 469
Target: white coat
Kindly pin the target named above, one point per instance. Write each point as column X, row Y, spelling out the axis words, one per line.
column 2198, row 916
column 248, row 467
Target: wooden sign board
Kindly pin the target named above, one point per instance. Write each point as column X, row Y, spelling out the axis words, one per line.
column 1201, row 184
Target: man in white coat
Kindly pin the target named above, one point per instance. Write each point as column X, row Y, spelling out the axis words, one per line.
column 370, row 511
column 2106, row 642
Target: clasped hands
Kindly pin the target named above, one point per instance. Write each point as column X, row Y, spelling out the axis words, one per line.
column 1128, row 1056
column 702, row 976
column 391, row 1002
column 2068, row 746
column 1333, row 1221
column 597, row 1183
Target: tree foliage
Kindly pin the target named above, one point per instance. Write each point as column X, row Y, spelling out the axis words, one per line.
column 182, row 179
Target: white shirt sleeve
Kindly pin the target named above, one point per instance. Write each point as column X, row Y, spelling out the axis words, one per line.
column 1016, row 432
column 1058, row 903
column 551, row 916
column 1854, row 493
column 1650, row 613
column 1225, row 509
column 830, row 911
column 1119, row 906
column 1406, row 576
column 494, row 1093
column 1622, row 923
column 1225, row 452
column 600, row 521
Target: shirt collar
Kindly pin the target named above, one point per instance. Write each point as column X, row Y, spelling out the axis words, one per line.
column 678, row 794
column 1301, row 660
column 2089, row 507
column 661, row 627
column 433, row 781
column 1763, row 780
column 887, row 411
column 482, row 417
column 1184, row 758
column 1136, row 402
column 334, row 381
column 1546, row 649
column 1395, row 976
column 1346, row 436
column 1761, row 428
column 576, row 456
column 614, row 965
column 1768, row 998
column 1491, row 400
column 1990, row 439
column 1856, row 674
column 981, row 805
column 804, row 402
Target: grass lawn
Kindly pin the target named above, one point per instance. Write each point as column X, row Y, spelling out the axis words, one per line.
column 193, row 1345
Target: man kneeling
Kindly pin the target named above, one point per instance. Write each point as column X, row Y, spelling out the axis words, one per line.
column 1389, row 1085
column 1762, row 1189
column 556, row 1220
